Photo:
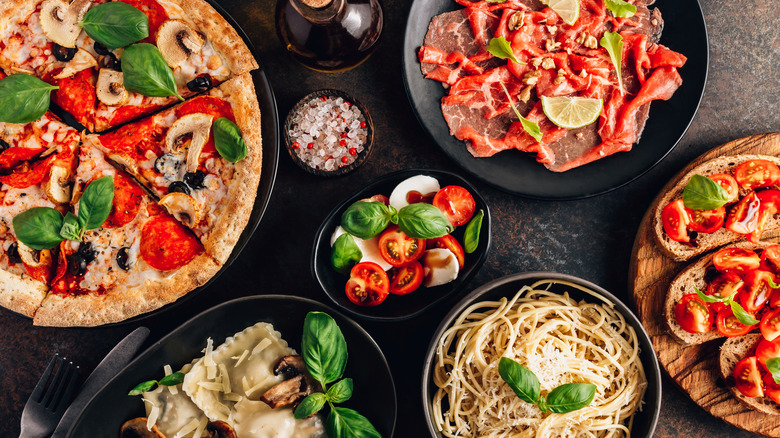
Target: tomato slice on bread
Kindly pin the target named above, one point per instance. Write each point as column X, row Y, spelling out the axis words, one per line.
column 767, row 350
column 743, row 216
column 706, row 221
column 771, row 388
column 770, row 259
column 456, row 203
column 770, row 325
column 737, row 260
column 724, row 285
column 693, row 314
column 747, row 377
column 450, row 243
column 368, row 284
column 770, row 202
column 406, row 279
column 757, row 290
column 398, row 249
column 728, row 324
column 675, row 221
column 729, row 184
column 754, row 174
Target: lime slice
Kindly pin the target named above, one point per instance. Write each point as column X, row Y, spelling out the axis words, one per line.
column 568, row 10
column 571, row 112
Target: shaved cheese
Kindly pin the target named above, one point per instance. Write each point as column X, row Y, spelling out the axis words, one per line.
column 244, row 384
column 224, row 409
column 223, row 372
column 167, row 370
column 201, row 428
column 232, row 396
column 152, row 419
column 268, row 381
column 211, row 372
column 261, row 346
column 189, row 427
column 208, row 358
column 243, row 356
column 211, row 386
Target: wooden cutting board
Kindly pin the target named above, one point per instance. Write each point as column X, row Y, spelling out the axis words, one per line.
column 693, row 368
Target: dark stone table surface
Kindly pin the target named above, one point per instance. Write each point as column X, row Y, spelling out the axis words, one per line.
column 589, row 238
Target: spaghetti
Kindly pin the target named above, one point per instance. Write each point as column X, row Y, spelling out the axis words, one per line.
column 561, row 341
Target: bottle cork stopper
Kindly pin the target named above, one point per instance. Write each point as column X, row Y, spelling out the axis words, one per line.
column 317, row 4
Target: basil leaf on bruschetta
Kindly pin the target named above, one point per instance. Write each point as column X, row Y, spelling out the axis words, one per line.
column 702, row 193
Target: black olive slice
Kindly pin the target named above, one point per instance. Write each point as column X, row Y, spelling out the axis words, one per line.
column 178, row 187
column 122, row 258
column 201, row 83
column 13, row 253
column 77, row 266
column 63, row 54
column 87, row 252
column 4, row 145
column 110, row 61
column 195, row 179
column 101, row 49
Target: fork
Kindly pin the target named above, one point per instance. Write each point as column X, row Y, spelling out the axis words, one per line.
column 49, row 399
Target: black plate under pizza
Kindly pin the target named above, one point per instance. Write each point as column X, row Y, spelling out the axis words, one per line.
column 519, row 173
column 374, row 391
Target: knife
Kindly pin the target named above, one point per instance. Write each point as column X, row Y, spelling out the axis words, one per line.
column 116, row 359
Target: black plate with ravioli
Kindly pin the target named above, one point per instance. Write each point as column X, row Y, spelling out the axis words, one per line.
column 519, row 173
column 397, row 307
column 644, row 420
column 374, row 394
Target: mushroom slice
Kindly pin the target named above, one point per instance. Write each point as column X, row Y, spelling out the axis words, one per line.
column 82, row 60
column 289, row 392
column 33, row 258
column 177, row 41
column 183, row 207
column 22, row 70
column 220, row 429
column 198, row 125
column 136, row 428
column 111, row 87
column 57, row 188
column 60, row 20
column 292, row 365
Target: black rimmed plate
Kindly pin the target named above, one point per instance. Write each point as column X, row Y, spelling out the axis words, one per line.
column 397, row 307
column 644, row 421
column 374, row 391
column 518, row 173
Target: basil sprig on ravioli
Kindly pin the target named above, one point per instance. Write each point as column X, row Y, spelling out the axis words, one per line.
column 45, row 227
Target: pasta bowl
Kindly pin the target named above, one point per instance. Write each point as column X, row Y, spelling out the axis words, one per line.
column 644, row 420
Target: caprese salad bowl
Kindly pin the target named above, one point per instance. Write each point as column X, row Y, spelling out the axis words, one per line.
column 366, row 262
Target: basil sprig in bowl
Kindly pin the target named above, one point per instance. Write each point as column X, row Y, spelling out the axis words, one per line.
column 398, row 308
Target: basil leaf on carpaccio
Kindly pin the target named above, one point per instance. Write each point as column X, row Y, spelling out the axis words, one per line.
column 423, row 221
column 324, row 348
column 620, row 8
column 340, row 392
column 345, row 253
column 24, row 98
column 71, row 230
column 522, row 380
column 96, row 203
column 501, row 48
column 344, row 422
column 702, row 193
column 366, row 219
column 570, row 397
column 228, row 140
column 39, row 227
column 310, row 405
column 146, row 72
column 613, row 43
column 471, row 234
column 116, row 24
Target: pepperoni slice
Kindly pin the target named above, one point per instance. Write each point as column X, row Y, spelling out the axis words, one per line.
column 27, row 176
column 125, row 139
column 77, row 96
column 16, row 155
column 130, row 112
column 128, row 196
column 167, row 244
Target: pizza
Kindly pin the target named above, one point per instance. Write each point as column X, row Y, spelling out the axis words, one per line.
column 145, row 200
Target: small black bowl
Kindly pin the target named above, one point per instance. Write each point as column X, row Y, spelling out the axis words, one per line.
column 362, row 157
column 397, row 307
column 645, row 419
column 374, row 395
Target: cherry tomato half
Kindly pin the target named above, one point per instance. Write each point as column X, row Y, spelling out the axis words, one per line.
column 736, row 260
column 728, row 324
column 770, row 202
column 675, row 220
column 368, row 284
column 771, row 388
column 398, row 249
column 757, row 290
column 406, row 279
column 706, row 221
column 693, row 314
column 378, row 198
column 747, row 377
column 770, row 325
column 767, row 350
column 729, row 184
column 770, row 259
column 754, row 174
column 450, row 243
column 724, row 285
column 743, row 216
column 456, row 203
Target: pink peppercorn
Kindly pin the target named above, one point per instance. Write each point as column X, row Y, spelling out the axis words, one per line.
column 352, row 151
column 295, row 145
column 310, row 145
column 343, row 142
column 362, row 124
column 344, row 159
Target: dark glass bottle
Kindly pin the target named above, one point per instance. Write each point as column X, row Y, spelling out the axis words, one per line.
column 329, row 35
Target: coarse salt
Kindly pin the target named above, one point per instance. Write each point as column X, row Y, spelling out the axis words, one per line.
column 333, row 127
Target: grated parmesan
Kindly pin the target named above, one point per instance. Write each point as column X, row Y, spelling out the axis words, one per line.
column 189, row 427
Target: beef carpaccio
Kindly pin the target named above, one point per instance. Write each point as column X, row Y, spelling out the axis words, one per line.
column 559, row 60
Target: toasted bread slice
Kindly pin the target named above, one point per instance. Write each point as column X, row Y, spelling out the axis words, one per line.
column 705, row 242
column 685, row 283
column 733, row 351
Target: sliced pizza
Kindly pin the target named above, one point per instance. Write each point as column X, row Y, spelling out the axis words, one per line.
column 175, row 155
column 139, row 259
column 188, row 43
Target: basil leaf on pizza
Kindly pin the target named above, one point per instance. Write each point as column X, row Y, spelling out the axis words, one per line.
column 116, row 24
column 24, row 98
column 71, row 230
column 228, row 140
column 39, row 227
column 146, row 72
column 96, row 202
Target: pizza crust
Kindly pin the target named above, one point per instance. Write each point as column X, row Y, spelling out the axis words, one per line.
column 118, row 304
column 20, row 293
